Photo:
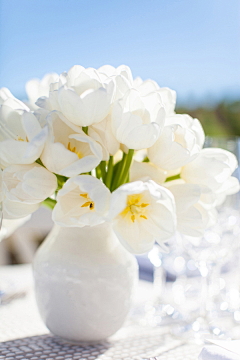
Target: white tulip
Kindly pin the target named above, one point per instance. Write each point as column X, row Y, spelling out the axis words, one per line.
column 194, row 203
column 122, row 76
column 142, row 212
column 41, row 115
column 24, row 188
column 147, row 171
column 229, row 187
column 36, row 88
column 102, row 133
column 8, row 99
column 10, row 225
column 140, row 155
column 118, row 156
column 82, row 201
column 194, row 207
column 168, row 96
column 50, row 102
column 145, row 87
column 179, row 143
column 137, row 121
column 213, row 168
column 5, row 94
column 85, row 96
column 68, row 150
column 186, row 122
column 21, row 137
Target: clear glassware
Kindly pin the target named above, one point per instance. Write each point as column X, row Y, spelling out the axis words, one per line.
column 200, row 305
column 211, row 253
column 174, row 285
column 231, row 207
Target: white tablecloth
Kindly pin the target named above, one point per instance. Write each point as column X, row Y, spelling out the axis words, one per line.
column 20, row 320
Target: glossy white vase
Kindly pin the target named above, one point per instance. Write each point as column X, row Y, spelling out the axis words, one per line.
column 84, row 282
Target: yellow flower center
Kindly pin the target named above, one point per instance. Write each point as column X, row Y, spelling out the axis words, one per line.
column 21, row 139
column 89, row 203
column 73, row 149
column 135, row 209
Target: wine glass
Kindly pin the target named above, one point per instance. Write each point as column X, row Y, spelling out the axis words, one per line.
column 197, row 311
column 216, row 248
column 174, row 285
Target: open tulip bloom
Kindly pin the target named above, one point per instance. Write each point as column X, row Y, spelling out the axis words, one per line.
column 96, row 146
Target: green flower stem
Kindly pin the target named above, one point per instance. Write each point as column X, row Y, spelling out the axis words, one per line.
column 49, row 203
column 85, row 129
column 116, row 170
column 119, row 172
column 109, row 172
column 98, row 172
column 175, row 177
column 61, row 181
column 38, row 161
column 103, row 170
column 124, row 177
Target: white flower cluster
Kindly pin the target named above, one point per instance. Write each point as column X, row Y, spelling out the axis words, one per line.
column 62, row 148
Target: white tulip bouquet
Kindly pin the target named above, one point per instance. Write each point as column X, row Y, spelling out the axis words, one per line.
column 97, row 146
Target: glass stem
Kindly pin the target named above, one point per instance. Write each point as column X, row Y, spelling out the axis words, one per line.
column 159, row 280
column 209, row 278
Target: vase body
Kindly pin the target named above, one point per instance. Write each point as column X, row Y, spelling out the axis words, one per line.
column 84, row 282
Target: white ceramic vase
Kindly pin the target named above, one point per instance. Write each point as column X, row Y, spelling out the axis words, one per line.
column 84, row 282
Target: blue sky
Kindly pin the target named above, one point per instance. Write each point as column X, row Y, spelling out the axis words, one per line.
column 192, row 46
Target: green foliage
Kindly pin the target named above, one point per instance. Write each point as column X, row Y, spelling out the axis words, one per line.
column 115, row 175
column 49, row 203
column 38, row 161
column 61, row 181
column 108, row 179
column 103, row 170
column 85, row 129
column 223, row 120
column 175, row 177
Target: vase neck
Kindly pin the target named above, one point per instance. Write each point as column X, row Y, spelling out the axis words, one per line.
column 91, row 238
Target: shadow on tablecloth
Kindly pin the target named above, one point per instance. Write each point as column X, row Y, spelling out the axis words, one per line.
column 49, row 347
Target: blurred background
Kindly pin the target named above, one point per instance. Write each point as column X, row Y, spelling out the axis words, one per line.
column 190, row 46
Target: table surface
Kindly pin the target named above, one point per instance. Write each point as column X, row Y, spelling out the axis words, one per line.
column 24, row 336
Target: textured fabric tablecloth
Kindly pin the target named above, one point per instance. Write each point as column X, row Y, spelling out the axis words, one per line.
column 24, row 336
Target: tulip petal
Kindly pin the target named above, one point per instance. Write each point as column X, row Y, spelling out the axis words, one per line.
column 85, row 98
column 16, row 210
column 137, row 121
column 147, row 171
column 68, row 150
column 74, row 200
column 25, row 187
column 142, row 212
